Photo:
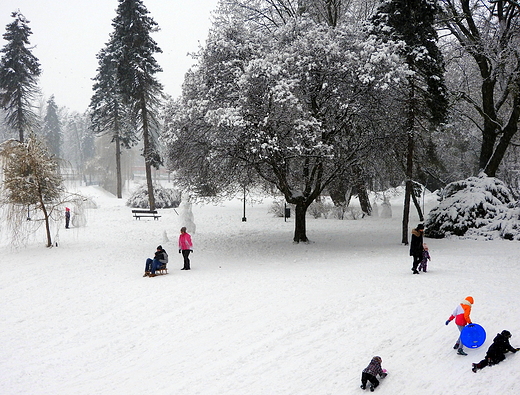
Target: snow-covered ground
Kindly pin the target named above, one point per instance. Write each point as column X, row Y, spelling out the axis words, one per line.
column 257, row 314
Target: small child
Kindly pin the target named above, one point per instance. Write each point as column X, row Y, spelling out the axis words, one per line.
column 425, row 259
column 371, row 372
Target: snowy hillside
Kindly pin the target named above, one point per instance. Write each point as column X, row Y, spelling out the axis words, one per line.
column 257, row 314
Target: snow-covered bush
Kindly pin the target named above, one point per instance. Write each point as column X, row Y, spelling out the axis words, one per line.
column 506, row 225
column 468, row 205
column 320, row 209
column 164, row 197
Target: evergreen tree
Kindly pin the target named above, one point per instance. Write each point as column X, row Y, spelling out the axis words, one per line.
column 109, row 113
column 412, row 22
column 133, row 51
column 52, row 127
column 19, row 70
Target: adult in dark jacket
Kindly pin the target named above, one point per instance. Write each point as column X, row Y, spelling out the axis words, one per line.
column 496, row 351
column 416, row 247
column 160, row 258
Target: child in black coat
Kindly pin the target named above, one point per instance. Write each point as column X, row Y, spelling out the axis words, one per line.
column 371, row 372
column 496, row 351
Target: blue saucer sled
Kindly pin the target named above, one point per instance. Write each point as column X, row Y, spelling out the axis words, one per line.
column 473, row 336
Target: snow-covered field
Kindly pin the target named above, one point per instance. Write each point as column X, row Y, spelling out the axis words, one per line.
column 257, row 314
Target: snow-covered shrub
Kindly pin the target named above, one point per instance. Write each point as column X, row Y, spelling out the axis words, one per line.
column 164, row 197
column 319, row 209
column 505, row 225
column 473, row 203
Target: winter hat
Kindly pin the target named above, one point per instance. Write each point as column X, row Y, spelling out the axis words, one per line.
column 469, row 299
column 506, row 333
column 420, row 226
column 378, row 359
column 159, row 247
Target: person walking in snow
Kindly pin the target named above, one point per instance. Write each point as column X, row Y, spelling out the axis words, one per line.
column 461, row 314
column 496, row 351
column 160, row 258
column 371, row 372
column 185, row 247
column 425, row 258
column 416, row 247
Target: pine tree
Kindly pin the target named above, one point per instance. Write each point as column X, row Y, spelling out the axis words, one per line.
column 52, row 127
column 109, row 113
column 412, row 21
column 134, row 51
column 19, row 70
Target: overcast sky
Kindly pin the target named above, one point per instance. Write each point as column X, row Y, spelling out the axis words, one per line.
column 67, row 35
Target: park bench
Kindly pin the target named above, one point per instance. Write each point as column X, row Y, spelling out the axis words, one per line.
column 145, row 213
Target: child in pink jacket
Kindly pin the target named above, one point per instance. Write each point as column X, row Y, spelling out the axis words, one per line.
column 185, row 247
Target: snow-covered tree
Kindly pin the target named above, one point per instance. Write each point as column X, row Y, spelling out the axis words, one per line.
column 133, row 51
column 487, row 34
column 287, row 104
column 51, row 128
column 108, row 111
column 468, row 205
column 413, row 22
column 78, row 144
column 19, row 72
column 32, row 181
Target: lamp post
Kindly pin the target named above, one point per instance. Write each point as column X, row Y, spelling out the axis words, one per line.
column 244, row 219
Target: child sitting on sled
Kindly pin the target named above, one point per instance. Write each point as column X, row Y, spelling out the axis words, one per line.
column 371, row 372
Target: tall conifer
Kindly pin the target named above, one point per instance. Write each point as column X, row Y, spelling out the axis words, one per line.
column 19, row 71
column 134, row 50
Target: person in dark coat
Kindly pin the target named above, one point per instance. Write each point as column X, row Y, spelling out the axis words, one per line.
column 160, row 258
column 496, row 351
column 371, row 372
column 416, row 247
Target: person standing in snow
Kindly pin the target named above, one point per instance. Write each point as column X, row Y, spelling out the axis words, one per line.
column 416, row 247
column 496, row 351
column 160, row 258
column 185, row 247
column 67, row 217
column 461, row 314
column 425, row 258
column 371, row 372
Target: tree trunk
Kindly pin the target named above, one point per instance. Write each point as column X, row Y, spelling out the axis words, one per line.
column 147, row 149
column 409, row 161
column 417, row 206
column 118, row 168
column 406, row 211
column 361, row 188
column 300, row 232
column 46, row 217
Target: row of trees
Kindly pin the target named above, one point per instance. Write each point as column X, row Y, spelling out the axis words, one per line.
column 296, row 96
column 306, row 97
column 125, row 102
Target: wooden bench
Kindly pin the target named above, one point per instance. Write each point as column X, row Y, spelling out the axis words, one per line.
column 145, row 213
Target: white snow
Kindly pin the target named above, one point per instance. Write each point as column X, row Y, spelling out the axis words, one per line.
column 257, row 314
